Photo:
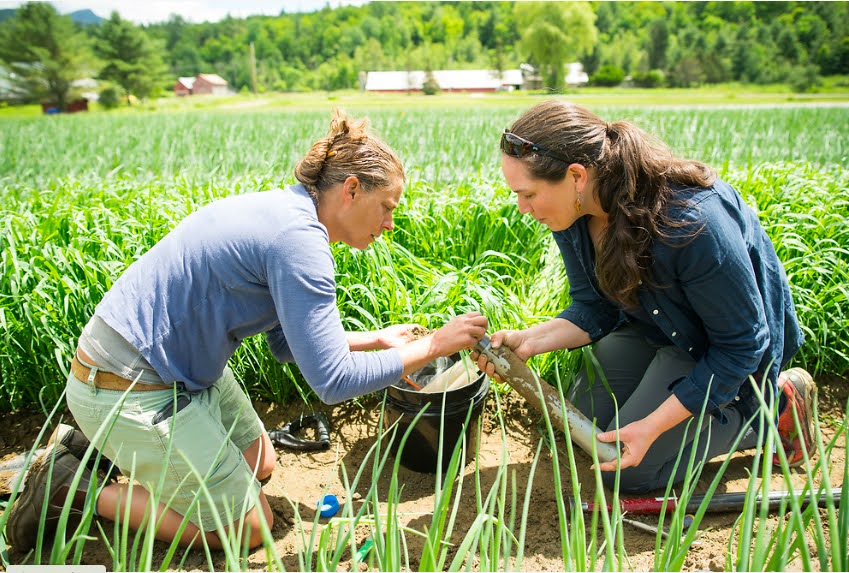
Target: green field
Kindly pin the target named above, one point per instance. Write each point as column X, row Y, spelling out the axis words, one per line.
column 85, row 195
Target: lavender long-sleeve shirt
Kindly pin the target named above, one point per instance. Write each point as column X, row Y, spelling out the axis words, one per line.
column 259, row 262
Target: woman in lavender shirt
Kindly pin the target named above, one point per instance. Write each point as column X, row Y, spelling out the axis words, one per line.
column 160, row 340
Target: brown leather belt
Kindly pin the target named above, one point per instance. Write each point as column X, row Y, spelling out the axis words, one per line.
column 110, row 381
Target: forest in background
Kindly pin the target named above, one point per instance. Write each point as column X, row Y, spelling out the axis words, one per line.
column 651, row 44
column 684, row 43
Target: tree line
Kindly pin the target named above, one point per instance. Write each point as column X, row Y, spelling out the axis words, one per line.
column 675, row 44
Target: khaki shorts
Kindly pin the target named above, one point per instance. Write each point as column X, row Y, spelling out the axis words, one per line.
column 203, row 450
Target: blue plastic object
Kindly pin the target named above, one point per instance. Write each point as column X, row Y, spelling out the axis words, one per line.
column 328, row 505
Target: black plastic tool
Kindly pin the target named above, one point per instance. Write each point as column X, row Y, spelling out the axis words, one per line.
column 286, row 435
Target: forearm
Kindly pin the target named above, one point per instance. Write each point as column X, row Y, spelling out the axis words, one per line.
column 555, row 334
column 361, row 341
column 668, row 415
column 462, row 333
column 415, row 347
column 637, row 437
column 419, row 353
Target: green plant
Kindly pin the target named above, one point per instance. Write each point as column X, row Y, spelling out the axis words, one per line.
column 649, row 79
column 430, row 85
column 607, row 76
column 109, row 97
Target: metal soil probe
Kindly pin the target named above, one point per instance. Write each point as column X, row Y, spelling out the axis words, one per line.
column 517, row 374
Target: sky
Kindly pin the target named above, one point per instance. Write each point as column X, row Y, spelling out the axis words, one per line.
column 150, row 11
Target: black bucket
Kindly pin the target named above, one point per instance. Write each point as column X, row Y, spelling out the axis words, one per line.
column 445, row 410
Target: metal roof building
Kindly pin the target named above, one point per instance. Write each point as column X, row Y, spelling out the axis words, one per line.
column 448, row 80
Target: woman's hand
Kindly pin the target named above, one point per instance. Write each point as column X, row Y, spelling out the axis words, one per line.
column 515, row 340
column 398, row 335
column 636, row 439
column 554, row 334
column 460, row 333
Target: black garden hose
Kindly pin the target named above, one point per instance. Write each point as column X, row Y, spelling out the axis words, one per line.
column 286, row 435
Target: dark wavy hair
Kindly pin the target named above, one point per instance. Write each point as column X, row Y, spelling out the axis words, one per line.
column 634, row 176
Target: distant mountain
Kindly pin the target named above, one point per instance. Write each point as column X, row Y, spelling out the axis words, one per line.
column 84, row 17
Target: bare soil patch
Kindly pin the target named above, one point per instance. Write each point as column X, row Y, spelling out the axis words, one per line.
column 302, row 477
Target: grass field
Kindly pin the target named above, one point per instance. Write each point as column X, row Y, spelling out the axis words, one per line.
column 85, row 195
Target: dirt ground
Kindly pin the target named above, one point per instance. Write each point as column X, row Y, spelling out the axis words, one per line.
column 301, row 478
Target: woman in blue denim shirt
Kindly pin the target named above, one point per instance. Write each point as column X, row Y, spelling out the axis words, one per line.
column 673, row 281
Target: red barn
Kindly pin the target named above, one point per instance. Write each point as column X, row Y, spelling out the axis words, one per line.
column 209, row 84
column 183, row 87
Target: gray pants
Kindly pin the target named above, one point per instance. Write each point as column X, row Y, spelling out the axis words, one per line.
column 639, row 374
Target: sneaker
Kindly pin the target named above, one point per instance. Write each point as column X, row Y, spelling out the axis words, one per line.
column 799, row 391
column 73, row 439
column 48, row 480
column 78, row 444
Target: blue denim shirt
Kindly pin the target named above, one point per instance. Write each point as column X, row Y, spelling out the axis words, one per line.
column 721, row 295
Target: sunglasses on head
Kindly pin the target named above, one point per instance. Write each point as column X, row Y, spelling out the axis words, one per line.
column 515, row 146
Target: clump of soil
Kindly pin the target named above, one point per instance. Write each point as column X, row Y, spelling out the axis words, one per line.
column 419, row 332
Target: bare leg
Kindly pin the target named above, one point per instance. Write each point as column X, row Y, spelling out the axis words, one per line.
column 261, row 457
column 112, row 503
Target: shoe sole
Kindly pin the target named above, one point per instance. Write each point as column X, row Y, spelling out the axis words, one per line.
column 804, row 385
column 806, row 381
column 78, row 444
column 62, row 437
column 63, row 434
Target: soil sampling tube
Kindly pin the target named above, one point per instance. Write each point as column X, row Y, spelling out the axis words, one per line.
column 517, row 374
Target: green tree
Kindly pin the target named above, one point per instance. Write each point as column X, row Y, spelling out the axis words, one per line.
column 109, row 97
column 554, row 33
column 592, row 61
column 743, row 59
column 430, row 85
column 43, row 54
column 804, row 78
column 658, row 44
column 174, row 30
column 468, row 50
column 608, row 76
column 369, row 57
column 687, row 42
column 833, row 57
column 185, row 60
column 813, row 32
column 133, row 60
column 788, row 45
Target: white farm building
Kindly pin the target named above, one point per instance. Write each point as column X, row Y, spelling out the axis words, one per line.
column 448, row 80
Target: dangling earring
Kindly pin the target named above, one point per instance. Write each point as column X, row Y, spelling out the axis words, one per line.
column 578, row 207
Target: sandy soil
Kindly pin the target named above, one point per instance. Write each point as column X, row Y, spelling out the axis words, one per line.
column 301, row 478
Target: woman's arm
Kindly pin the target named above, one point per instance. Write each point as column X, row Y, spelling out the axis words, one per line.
column 460, row 333
column 393, row 336
column 716, row 272
column 637, row 437
column 554, row 334
column 588, row 310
